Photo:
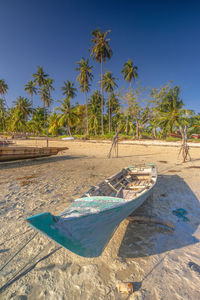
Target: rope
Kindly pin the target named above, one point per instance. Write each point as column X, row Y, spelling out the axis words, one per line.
column 19, row 250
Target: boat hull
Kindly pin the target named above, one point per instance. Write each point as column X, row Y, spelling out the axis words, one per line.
column 87, row 225
column 16, row 153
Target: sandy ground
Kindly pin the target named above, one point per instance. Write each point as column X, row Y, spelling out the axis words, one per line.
column 161, row 263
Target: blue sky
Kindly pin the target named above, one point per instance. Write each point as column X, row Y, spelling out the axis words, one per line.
column 161, row 37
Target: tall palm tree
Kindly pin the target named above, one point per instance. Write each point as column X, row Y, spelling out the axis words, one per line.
column 40, row 76
column 3, row 89
column 31, row 89
column 45, row 98
column 48, row 84
column 2, row 114
column 113, row 107
column 68, row 90
column 130, row 71
column 67, row 114
column 100, row 52
column 94, row 111
column 84, row 77
column 109, row 84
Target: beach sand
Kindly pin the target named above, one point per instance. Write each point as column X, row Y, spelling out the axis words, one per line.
column 161, row 263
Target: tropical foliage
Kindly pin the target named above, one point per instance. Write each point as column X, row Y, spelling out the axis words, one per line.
column 136, row 111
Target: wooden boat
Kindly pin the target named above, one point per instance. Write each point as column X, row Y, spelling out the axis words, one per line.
column 87, row 225
column 15, row 153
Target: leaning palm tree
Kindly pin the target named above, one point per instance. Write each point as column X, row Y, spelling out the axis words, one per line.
column 109, row 84
column 44, row 94
column 40, row 76
column 130, row 71
column 83, row 78
column 100, row 52
column 31, row 89
column 68, row 90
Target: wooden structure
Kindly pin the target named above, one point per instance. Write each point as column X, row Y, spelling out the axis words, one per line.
column 184, row 149
column 87, row 225
column 114, row 146
column 16, row 153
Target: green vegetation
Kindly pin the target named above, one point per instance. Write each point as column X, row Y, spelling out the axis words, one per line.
column 138, row 112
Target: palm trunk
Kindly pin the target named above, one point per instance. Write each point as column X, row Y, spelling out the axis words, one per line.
column 109, row 124
column 86, row 108
column 32, row 104
column 127, row 125
column 137, row 129
column 110, row 120
column 154, row 132
column 102, row 130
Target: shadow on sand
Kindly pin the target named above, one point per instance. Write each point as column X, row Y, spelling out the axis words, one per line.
column 171, row 193
column 36, row 161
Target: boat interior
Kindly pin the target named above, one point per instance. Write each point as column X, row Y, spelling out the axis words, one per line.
column 127, row 184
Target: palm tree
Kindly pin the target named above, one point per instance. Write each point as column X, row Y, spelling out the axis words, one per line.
column 83, row 78
column 67, row 114
column 38, row 120
column 109, row 84
column 69, row 91
column 40, row 76
column 21, row 111
column 94, row 111
column 170, row 110
column 113, row 107
column 54, row 123
column 44, row 97
column 31, row 89
column 100, row 52
column 2, row 114
column 129, row 71
column 49, row 86
column 3, row 89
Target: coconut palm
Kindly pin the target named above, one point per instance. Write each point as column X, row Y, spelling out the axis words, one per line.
column 100, row 52
column 67, row 115
column 94, row 108
column 130, row 71
column 84, row 77
column 48, row 84
column 113, row 107
column 2, row 114
column 170, row 110
column 31, row 89
column 54, row 123
column 3, row 88
column 21, row 111
column 40, row 76
column 68, row 90
column 109, row 85
column 38, row 120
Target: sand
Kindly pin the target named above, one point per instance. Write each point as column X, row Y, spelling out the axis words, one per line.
column 161, row 263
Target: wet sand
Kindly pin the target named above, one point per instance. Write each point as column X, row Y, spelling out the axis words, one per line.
column 161, row 263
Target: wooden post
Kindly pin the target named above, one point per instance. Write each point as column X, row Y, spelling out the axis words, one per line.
column 114, row 145
column 184, row 147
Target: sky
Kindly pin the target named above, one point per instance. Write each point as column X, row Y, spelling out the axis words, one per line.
column 161, row 37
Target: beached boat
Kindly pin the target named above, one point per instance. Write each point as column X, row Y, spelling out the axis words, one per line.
column 87, row 225
column 15, row 153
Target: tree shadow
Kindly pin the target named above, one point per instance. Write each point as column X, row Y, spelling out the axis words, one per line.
column 37, row 161
column 171, row 193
